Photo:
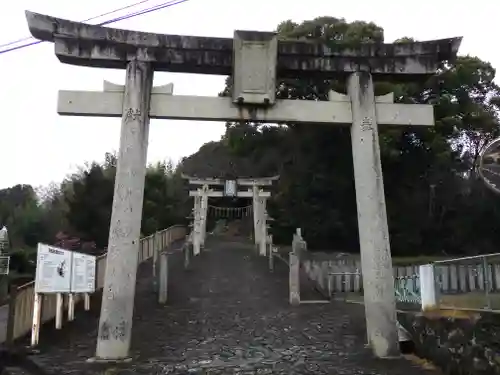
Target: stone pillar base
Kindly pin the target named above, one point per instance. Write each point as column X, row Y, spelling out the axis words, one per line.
column 109, row 360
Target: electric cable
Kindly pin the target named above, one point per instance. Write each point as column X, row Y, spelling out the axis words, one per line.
column 145, row 11
column 128, row 16
column 87, row 20
column 137, row 13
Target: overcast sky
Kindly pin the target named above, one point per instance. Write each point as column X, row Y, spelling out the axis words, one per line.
column 37, row 146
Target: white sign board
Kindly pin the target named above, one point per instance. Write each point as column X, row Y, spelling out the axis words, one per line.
column 4, row 264
column 83, row 273
column 230, row 188
column 53, row 270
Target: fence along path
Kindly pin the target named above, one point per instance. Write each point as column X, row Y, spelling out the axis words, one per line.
column 22, row 301
column 344, row 275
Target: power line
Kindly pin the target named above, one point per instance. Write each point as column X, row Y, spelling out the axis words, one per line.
column 130, row 15
column 145, row 11
column 88, row 19
column 19, row 47
column 127, row 16
column 16, row 41
column 117, row 10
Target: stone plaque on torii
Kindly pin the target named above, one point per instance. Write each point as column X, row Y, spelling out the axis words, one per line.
column 259, row 199
column 255, row 60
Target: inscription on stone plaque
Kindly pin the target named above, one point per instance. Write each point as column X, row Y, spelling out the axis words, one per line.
column 132, row 113
column 366, row 124
column 254, row 67
column 254, row 80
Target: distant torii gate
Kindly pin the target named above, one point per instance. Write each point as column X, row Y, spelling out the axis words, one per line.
column 254, row 60
column 259, row 197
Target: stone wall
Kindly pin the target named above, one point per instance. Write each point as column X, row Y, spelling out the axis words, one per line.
column 467, row 344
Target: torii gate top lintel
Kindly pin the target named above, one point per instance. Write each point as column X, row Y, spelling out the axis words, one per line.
column 75, row 42
column 250, row 181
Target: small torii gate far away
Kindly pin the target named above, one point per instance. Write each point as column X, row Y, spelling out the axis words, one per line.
column 254, row 60
column 259, row 199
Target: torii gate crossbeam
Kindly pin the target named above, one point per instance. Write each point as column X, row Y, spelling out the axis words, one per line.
column 337, row 111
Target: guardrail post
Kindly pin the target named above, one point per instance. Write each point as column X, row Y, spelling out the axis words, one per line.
column 11, row 318
column 59, row 310
column 329, row 284
column 270, row 252
column 155, row 244
column 71, row 307
column 294, row 284
column 187, row 248
column 486, row 277
column 428, row 290
column 86, row 301
column 37, row 317
column 155, row 254
column 163, row 290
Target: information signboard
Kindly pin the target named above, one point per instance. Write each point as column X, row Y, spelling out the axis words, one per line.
column 4, row 264
column 63, row 271
column 83, row 273
column 53, row 270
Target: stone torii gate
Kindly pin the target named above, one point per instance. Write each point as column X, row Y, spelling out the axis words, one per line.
column 259, row 198
column 255, row 60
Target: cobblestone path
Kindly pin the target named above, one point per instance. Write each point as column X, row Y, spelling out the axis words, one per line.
column 229, row 315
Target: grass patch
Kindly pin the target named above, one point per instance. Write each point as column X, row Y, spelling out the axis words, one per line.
column 451, row 305
column 418, row 260
column 472, row 300
column 451, row 313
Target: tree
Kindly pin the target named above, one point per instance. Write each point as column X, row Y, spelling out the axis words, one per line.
column 89, row 198
column 89, row 204
column 163, row 198
column 21, row 214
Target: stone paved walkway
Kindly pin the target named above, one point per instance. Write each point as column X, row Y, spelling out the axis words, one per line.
column 230, row 315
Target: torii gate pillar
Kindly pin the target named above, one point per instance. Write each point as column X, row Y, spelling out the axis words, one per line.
column 259, row 210
column 204, row 214
column 260, row 229
column 197, row 225
column 115, row 324
column 376, row 262
column 200, row 218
